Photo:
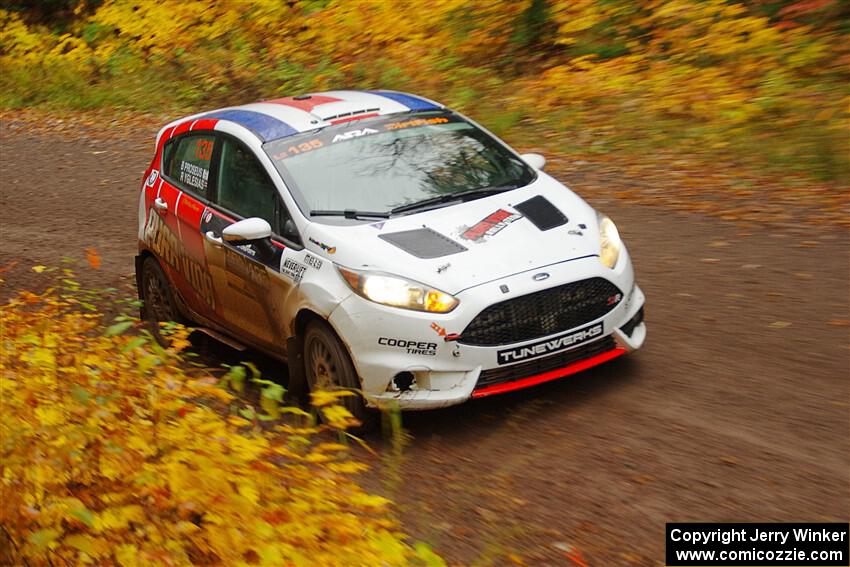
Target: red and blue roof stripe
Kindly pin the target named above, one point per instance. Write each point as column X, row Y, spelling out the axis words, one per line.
column 264, row 126
column 267, row 127
column 410, row 101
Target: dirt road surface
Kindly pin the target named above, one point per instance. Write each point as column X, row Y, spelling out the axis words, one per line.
column 735, row 410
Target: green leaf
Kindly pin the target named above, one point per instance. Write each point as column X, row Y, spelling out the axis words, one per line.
column 236, row 377
column 42, row 538
column 84, row 515
column 296, row 411
column 425, row 554
column 247, row 413
column 80, row 394
column 135, row 343
column 270, row 406
column 118, row 328
column 274, row 392
column 255, row 372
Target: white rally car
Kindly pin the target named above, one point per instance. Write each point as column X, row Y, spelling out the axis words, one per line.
column 381, row 242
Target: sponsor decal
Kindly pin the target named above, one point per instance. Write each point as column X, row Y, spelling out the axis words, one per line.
column 313, row 262
column 378, row 225
column 548, row 346
column 166, row 246
column 416, row 122
column 294, row 270
column 438, row 329
column 540, row 277
column 614, row 299
column 154, row 175
column 246, row 268
column 575, row 232
column 443, row 268
column 191, row 204
column 353, row 134
column 504, row 288
column 490, row 225
column 247, row 249
column 411, row 347
column 323, row 246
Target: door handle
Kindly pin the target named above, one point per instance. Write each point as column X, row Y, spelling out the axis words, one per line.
column 212, row 238
column 160, row 205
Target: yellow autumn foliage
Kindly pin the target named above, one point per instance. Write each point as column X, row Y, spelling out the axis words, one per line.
column 113, row 453
column 715, row 71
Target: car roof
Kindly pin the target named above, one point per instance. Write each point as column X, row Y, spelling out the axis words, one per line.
column 282, row 117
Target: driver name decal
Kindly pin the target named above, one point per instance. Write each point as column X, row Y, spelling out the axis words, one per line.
column 194, row 175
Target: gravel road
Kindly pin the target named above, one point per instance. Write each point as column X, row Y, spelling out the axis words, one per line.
column 735, row 410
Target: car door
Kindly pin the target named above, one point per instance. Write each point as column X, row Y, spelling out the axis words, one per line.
column 174, row 218
column 252, row 282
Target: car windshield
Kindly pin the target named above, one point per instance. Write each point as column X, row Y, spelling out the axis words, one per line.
column 382, row 164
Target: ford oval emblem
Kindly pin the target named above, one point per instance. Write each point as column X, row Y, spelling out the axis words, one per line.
column 540, row 277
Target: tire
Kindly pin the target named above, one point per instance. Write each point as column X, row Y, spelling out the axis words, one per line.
column 159, row 305
column 327, row 366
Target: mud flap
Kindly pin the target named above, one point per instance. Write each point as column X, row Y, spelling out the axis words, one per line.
column 297, row 387
column 139, row 260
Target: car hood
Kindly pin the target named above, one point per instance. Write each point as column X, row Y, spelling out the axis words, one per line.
column 499, row 240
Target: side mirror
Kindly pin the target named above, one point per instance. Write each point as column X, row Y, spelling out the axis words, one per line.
column 534, row 160
column 247, row 230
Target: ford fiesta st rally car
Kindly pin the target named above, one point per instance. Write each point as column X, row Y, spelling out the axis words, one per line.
column 382, row 242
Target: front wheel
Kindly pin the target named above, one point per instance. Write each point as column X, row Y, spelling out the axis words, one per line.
column 328, row 366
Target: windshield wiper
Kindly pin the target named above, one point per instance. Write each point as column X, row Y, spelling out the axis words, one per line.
column 451, row 197
column 350, row 214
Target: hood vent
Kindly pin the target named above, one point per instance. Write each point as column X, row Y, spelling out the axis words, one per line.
column 423, row 243
column 543, row 214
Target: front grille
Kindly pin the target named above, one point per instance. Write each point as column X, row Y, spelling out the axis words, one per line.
column 542, row 313
column 545, row 364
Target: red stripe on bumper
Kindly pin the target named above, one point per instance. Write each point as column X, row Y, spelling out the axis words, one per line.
column 549, row 376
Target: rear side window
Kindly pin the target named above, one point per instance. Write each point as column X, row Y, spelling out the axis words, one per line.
column 243, row 185
column 188, row 162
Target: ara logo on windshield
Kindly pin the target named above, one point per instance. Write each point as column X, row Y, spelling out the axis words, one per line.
column 353, row 134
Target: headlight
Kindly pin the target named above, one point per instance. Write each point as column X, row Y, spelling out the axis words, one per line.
column 610, row 242
column 398, row 292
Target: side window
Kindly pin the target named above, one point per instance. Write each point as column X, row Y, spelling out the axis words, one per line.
column 187, row 161
column 243, row 185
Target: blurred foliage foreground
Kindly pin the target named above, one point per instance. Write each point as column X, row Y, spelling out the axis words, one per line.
column 112, row 453
column 760, row 82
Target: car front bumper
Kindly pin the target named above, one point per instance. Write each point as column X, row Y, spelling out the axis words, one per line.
column 386, row 341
